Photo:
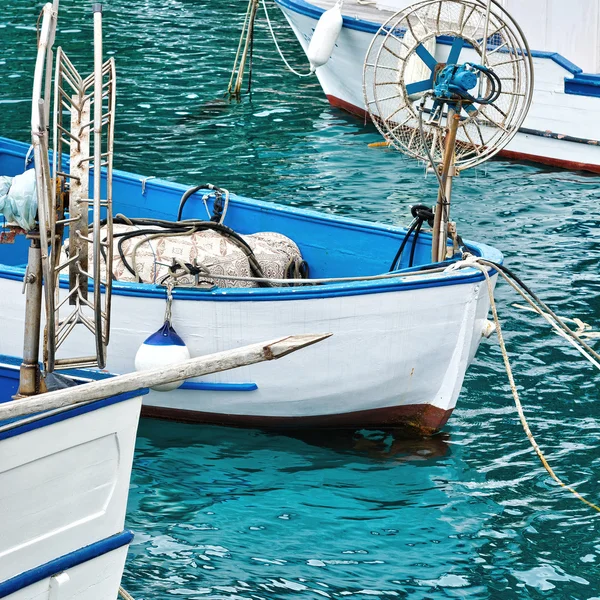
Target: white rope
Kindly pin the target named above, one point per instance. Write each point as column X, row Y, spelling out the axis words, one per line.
column 483, row 266
column 125, row 594
column 287, row 64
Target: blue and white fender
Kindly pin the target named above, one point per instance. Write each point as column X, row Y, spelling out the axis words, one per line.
column 164, row 347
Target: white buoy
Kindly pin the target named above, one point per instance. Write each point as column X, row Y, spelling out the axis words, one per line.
column 163, row 347
column 325, row 36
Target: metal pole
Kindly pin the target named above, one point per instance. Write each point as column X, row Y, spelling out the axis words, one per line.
column 100, row 351
column 486, row 29
column 442, row 209
column 30, row 382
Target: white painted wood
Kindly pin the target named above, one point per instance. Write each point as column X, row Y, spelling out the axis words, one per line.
column 195, row 367
column 381, row 353
column 64, row 486
column 57, row 586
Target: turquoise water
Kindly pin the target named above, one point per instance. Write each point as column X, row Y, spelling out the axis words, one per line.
column 231, row 514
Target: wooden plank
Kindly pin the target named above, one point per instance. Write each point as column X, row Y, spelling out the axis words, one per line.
column 195, row 367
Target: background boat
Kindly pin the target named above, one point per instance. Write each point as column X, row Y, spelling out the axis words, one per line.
column 563, row 125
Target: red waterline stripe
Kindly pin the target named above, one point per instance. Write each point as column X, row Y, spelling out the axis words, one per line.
column 424, row 418
column 520, row 156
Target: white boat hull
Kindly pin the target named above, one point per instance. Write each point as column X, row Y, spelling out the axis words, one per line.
column 561, row 129
column 64, row 482
column 395, row 358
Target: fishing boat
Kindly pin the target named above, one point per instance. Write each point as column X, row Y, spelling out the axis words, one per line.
column 64, row 481
column 67, row 441
column 562, row 127
column 190, row 271
column 401, row 342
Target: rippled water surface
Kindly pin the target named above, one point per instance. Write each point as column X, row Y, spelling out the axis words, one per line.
column 223, row 513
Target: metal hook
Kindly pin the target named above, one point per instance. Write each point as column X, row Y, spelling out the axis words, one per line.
column 144, row 183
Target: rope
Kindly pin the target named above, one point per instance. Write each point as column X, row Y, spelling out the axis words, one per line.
column 123, row 593
column 483, row 265
column 247, row 41
column 287, row 64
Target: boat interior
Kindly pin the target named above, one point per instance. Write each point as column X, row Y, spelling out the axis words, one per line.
column 332, row 246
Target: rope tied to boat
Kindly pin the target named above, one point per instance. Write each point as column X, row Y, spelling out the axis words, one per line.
column 274, row 37
column 123, row 593
column 538, row 306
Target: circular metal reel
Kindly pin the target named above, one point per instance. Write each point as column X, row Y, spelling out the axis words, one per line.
column 403, row 63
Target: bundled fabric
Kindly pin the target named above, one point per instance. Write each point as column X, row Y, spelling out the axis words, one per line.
column 152, row 256
column 18, row 199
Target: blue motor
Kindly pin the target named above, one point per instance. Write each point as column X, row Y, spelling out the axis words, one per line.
column 454, row 82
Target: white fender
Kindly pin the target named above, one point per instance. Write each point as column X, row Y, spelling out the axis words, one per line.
column 325, row 36
column 164, row 347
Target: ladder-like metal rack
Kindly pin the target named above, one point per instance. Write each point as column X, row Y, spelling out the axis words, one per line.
column 90, row 141
column 83, row 122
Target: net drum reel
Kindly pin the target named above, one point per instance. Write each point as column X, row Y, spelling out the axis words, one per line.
column 448, row 82
column 489, row 85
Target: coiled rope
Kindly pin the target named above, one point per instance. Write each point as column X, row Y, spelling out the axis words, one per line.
column 557, row 324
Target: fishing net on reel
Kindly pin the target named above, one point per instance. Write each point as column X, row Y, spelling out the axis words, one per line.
column 403, row 65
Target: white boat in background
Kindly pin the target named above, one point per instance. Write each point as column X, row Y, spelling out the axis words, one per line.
column 563, row 124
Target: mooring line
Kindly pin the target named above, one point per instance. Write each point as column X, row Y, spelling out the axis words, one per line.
column 483, row 265
column 274, row 37
column 123, row 593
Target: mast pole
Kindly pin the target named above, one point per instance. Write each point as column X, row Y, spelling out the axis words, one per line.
column 442, row 209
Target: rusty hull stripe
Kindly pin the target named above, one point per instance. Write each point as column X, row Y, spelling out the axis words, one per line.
column 424, row 418
column 520, row 156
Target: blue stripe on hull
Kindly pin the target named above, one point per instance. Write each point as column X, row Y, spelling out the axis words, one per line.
column 218, row 387
column 68, row 561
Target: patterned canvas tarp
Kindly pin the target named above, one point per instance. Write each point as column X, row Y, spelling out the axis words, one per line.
column 208, row 249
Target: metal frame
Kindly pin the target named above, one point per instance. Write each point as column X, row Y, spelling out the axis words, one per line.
column 64, row 203
column 80, row 97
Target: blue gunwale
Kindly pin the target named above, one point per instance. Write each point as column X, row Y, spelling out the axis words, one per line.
column 146, row 290
column 65, row 562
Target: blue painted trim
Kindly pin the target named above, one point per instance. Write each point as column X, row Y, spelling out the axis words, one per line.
column 583, row 84
column 332, row 290
column 578, row 86
column 68, row 561
column 218, row 387
column 68, row 414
